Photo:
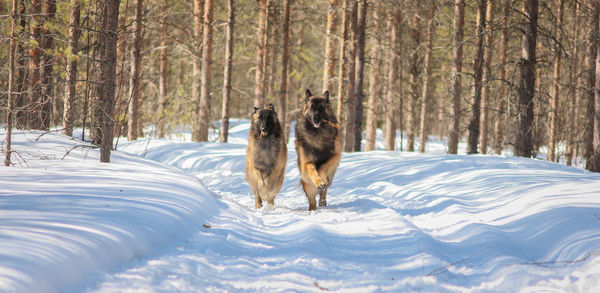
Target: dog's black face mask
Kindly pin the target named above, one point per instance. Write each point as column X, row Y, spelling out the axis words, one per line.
column 316, row 112
column 265, row 123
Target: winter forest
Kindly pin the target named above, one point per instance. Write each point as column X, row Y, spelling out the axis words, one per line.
column 469, row 157
column 516, row 75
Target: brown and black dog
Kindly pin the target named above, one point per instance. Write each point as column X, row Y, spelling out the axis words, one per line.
column 266, row 156
column 319, row 147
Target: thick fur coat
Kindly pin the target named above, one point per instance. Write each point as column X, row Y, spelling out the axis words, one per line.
column 319, row 147
column 266, row 156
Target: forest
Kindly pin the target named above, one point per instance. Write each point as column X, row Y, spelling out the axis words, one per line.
column 522, row 76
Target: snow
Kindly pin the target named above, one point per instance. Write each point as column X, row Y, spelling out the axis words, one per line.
column 168, row 215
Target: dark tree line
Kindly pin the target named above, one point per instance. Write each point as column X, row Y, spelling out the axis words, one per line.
column 501, row 75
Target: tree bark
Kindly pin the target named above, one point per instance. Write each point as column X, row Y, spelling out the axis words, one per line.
column 374, row 84
column 342, row 67
column 47, row 64
column 351, row 108
column 427, row 76
column 136, row 74
column 487, row 77
column 574, row 81
column 329, row 66
column 413, row 83
column 359, row 74
column 285, row 57
column 589, row 81
column 204, row 114
column 594, row 162
column 11, row 74
column 502, row 92
column 35, row 89
column 197, row 68
column 393, row 82
column 524, row 143
column 20, row 85
column 224, row 132
column 70, row 94
column 163, row 81
column 455, row 92
column 474, row 124
column 556, row 83
column 106, row 77
column 259, row 91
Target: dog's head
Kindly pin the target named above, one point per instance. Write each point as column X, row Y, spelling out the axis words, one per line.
column 317, row 109
column 264, row 121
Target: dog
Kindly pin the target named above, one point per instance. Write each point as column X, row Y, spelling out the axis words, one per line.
column 319, row 147
column 266, row 156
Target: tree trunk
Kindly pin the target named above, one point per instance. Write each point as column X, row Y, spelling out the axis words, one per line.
column 47, row 64
column 197, row 68
column 574, row 81
column 106, row 77
column 524, row 142
column 163, row 81
column 35, row 90
column 328, row 68
column 11, row 74
column 487, row 77
column 359, row 74
column 351, row 108
column 224, row 132
column 427, row 76
column 20, row 99
column 374, row 84
column 502, row 92
column 393, row 82
column 342, row 66
column 594, row 162
column 271, row 53
column 70, row 94
column 204, row 114
column 136, row 74
column 590, row 79
column 259, row 91
column 556, row 84
column 285, row 57
column 455, row 92
column 413, row 83
column 474, row 124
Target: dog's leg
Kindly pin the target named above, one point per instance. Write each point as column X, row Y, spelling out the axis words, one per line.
column 257, row 200
column 323, row 197
column 311, row 194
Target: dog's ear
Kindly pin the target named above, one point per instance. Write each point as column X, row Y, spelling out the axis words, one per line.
column 326, row 94
column 256, row 109
column 307, row 95
column 271, row 107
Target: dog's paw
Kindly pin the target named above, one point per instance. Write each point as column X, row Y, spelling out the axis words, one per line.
column 321, row 183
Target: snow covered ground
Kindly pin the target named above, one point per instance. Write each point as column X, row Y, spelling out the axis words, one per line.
column 182, row 219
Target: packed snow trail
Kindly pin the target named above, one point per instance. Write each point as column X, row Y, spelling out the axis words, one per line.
column 394, row 222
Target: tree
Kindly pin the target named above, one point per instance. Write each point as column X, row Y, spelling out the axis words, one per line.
column 103, row 106
column 574, row 82
column 11, row 74
column 487, row 77
column 524, row 142
column 594, row 162
column 394, row 82
column 351, row 69
column 374, row 83
column 224, row 133
column 35, row 89
column 589, row 81
column 502, row 92
column 136, row 74
column 163, row 81
column 261, row 56
column 474, row 124
column 47, row 65
column 329, row 65
column 427, row 75
column 359, row 74
column 455, row 92
column 285, row 57
column 20, row 98
column 196, row 68
column 556, row 83
column 204, row 114
column 70, row 94
column 342, row 67
column 413, row 82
